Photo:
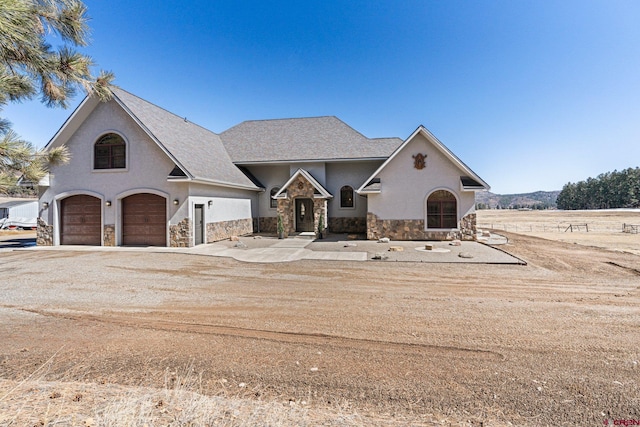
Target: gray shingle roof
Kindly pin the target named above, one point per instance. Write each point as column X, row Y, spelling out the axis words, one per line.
column 198, row 151
column 314, row 138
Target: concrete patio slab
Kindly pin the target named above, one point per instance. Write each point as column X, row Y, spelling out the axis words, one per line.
column 292, row 242
column 269, row 249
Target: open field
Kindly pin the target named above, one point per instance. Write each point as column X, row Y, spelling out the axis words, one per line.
column 605, row 226
column 135, row 338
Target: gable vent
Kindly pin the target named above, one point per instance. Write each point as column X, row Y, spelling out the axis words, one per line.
column 177, row 172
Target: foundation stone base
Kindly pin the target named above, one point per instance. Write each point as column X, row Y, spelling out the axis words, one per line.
column 180, row 234
column 413, row 229
column 347, row 225
column 222, row 230
column 109, row 235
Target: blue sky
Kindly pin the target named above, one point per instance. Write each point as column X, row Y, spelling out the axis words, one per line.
column 530, row 94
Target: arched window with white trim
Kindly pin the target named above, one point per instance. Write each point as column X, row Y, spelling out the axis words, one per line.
column 442, row 210
column 110, row 152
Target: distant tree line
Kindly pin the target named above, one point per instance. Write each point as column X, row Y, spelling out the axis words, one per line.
column 532, row 206
column 608, row 190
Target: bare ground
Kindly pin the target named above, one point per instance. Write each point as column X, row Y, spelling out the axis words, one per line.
column 600, row 228
column 345, row 343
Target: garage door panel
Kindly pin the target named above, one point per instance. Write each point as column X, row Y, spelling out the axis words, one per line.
column 80, row 218
column 81, row 221
column 144, row 220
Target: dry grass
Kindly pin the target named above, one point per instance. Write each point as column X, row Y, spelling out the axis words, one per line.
column 605, row 226
column 181, row 403
column 42, row 403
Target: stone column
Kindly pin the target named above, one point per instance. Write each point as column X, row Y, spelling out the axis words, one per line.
column 44, row 233
column 109, row 235
column 180, row 234
column 468, row 227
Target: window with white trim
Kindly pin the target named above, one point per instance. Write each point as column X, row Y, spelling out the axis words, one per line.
column 273, row 203
column 346, row 197
column 110, row 152
column 442, row 210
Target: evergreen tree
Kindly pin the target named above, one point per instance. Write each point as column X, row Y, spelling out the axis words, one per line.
column 29, row 66
column 609, row 190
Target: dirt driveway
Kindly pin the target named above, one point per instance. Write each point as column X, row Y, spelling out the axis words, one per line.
column 551, row 343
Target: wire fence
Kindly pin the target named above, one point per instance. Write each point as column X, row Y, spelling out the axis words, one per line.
column 561, row 227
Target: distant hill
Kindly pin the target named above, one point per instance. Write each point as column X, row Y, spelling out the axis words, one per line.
column 535, row 200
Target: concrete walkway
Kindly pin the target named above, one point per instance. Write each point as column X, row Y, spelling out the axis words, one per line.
column 280, row 253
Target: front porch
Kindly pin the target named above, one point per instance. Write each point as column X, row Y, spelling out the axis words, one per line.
column 302, row 205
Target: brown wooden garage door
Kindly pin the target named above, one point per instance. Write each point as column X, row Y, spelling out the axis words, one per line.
column 81, row 222
column 144, row 220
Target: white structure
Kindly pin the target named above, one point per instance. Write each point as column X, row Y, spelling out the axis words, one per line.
column 18, row 213
column 139, row 175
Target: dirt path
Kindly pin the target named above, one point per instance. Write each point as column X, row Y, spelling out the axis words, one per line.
column 551, row 343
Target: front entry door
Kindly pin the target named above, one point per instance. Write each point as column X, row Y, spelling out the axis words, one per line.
column 199, row 224
column 304, row 215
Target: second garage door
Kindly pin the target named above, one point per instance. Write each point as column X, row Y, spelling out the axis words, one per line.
column 144, row 220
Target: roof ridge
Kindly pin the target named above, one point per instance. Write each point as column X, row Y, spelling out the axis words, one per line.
column 303, row 118
column 278, row 119
column 289, row 118
column 386, row 137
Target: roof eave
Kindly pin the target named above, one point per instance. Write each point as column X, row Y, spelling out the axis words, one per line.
column 324, row 194
column 224, row 184
column 54, row 141
column 325, row 160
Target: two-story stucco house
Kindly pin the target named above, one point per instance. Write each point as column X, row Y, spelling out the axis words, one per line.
column 140, row 175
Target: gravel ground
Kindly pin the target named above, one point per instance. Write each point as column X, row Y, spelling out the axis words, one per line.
column 553, row 342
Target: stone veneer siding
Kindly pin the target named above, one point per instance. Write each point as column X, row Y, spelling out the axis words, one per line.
column 44, row 233
column 347, row 225
column 413, row 229
column 180, row 234
column 224, row 229
column 267, row 225
column 109, row 235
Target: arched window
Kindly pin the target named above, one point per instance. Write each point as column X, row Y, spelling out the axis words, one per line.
column 109, row 152
column 442, row 211
column 273, row 203
column 346, row 197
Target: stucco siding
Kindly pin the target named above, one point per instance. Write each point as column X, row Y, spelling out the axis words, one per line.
column 405, row 188
column 316, row 169
column 223, row 209
column 353, row 174
column 270, row 176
